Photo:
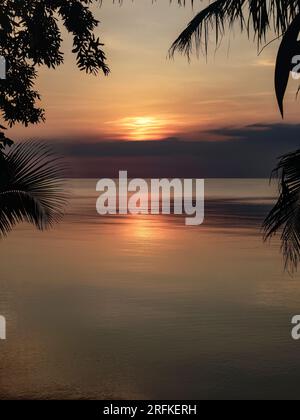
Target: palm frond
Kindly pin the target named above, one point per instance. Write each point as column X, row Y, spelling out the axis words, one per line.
column 284, row 218
column 31, row 187
column 288, row 48
column 256, row 17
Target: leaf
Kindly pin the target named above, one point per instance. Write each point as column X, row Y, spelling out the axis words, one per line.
column 287, row 50
column 284, row 218
column 31, row 187
column 5, row 141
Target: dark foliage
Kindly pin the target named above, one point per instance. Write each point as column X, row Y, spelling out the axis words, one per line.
column 257, row 18
column 285, row 216
column 31, row 187
column 30, row 37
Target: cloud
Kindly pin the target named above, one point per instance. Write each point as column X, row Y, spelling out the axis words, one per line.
column 250, row 151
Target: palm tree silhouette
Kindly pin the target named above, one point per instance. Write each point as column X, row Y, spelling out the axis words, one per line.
column 285, row 215
column 31, row 187
column 31, row 37
column 259, row 18
column 255, row 17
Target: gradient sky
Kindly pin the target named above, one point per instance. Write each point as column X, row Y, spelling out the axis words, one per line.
column 149, row 97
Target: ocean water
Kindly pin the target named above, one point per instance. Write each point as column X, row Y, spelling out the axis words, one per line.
column 143, row 307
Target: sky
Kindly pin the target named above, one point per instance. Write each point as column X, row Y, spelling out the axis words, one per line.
column 150, row 98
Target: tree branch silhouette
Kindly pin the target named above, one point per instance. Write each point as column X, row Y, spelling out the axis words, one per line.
column 30, row 37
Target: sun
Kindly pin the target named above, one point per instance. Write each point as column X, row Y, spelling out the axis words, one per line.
column 146, row 127
column 144, row 121
column 143, row 128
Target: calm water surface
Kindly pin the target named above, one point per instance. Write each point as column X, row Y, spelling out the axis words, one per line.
column 145, row 307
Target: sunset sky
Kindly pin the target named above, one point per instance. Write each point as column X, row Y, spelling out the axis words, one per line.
column 149, row 97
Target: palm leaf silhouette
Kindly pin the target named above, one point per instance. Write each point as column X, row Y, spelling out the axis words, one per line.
column 288, row 48
column 255, row 17
column 31, row 187
column 285, row 216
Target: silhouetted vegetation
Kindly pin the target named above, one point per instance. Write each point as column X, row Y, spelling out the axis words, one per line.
column 31, row 189
column 284, row 218
column 30, row 37
column 258, row 18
